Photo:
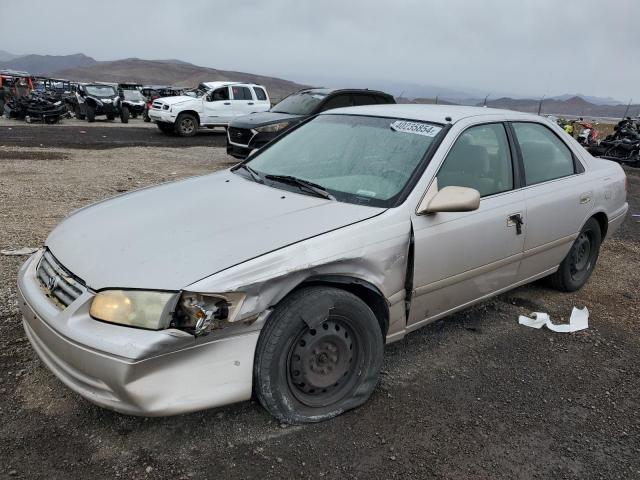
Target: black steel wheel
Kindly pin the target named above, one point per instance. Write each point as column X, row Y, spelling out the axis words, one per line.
column 319, row 355
column 577, row 266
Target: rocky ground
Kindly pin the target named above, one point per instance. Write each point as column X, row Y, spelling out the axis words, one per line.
column 472, row 396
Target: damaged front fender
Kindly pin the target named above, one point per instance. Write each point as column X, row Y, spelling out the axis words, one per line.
column 347, row 252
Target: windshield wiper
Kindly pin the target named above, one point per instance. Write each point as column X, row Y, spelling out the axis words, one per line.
column 255, row 175
column 314, row 188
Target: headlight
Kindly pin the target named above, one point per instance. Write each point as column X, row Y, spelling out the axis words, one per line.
column 135, row 308
column 201, row 313
column 194, row 312
column 165, row 107
column 274, row 127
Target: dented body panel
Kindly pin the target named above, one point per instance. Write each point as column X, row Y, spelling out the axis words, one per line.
column 224, row 233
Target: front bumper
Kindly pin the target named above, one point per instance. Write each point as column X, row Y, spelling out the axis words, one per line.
column 133, row 371
column 165, row 116
column 256, row 140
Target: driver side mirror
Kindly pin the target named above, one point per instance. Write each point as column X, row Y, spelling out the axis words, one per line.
column 451, row 199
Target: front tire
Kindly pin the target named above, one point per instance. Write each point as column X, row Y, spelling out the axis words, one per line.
column 309, row 371
column 91, row 114
column 124, row 115
column 577, row 266
column 186, row 125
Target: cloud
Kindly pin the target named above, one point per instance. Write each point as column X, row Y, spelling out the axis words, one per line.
column 525, row 46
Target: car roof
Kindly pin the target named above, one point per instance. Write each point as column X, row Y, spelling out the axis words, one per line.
column 328, row 91
column 214, row 85
column 426, row 113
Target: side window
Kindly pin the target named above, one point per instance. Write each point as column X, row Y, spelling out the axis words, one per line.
column 544, row 155
column 481, row 159
column 363, row 99
column 260, row 93
column 220, row 94
column 382, row 99
column 241, row 93
column 338, row 101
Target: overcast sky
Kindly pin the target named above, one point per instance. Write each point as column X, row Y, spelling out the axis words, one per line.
column 529, row 47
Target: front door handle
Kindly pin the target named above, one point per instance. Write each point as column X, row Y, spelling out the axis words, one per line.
column 227, row 103
column 515, row 219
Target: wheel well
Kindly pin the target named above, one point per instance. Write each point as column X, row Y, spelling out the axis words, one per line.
column 362, row 289
column 190, row 112
column 603, row 221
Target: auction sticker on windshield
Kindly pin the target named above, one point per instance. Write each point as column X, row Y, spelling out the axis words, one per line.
column 417, row 128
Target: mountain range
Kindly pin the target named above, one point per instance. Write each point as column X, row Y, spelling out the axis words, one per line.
column 80, row 67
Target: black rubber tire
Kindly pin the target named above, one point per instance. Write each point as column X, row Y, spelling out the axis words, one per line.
column 568, row 280
column 78, row 112
column 124, row 115
column 186, row 125
column 91, row 114
column 281, row 336
column 145, row 117
column 165, row 128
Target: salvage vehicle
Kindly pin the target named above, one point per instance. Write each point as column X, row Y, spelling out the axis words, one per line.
column 286, row 274
column 623, row 145
column 152, row 92
column 250, row 132
column 212, row 104
column 134, row 101
column 96, row 99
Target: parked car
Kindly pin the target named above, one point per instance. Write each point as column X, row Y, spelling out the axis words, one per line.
column 134, row 101
column 286, row 274
column 254, row 131
column 96, row 99
column 153, row 92
column 212, row 104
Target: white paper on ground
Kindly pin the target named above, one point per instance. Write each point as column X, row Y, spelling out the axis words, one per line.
column 579, row 321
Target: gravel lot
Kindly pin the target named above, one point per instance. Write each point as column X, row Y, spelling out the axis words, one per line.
column 472, row 396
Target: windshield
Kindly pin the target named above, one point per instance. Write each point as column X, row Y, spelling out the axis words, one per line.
column 357, row 159
column 133, row 95
column 101, row 91
column 299, row 104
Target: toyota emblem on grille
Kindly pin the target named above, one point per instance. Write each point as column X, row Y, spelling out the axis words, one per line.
column 238, row 134
column 52, row 282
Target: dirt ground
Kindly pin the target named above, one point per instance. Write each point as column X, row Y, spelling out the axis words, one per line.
column 102, row 134
column 472, row 396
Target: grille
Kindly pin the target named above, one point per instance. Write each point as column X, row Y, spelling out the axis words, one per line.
column 157, row 105
column 57, row 281
column 241, row 136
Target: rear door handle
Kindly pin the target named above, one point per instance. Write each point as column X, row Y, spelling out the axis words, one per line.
column 250, row 103
column 515, row 219
column 227, row 103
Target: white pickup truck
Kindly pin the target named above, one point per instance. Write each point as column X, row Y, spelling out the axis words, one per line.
column 211, row 104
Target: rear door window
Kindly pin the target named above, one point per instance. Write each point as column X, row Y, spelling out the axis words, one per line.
column 363, row 99
column 260, row 93
column 544, row 155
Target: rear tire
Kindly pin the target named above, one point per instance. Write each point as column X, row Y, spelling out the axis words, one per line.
column 91, row 114
column 186, row 125
column 305, row 374
column 577, row 266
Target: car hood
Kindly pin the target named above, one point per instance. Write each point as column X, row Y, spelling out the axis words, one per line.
column 263, row 118
column 177, row 100
column 169, row 236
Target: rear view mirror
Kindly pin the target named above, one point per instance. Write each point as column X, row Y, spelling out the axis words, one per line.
column 451, row 199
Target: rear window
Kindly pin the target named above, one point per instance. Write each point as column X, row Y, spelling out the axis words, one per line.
column 260, row 93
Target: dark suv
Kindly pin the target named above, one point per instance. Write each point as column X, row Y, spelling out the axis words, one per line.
column 249, row 132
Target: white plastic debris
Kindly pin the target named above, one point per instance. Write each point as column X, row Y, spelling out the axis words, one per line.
column 579, row 321
column 18, row 252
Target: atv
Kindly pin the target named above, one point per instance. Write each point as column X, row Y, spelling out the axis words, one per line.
column 93, row 100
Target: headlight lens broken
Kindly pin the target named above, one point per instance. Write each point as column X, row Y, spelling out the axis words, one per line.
column 194, row 312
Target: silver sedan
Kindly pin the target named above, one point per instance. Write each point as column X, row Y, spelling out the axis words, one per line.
column 285, row 275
